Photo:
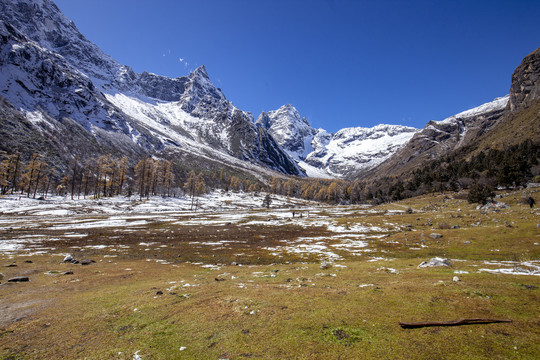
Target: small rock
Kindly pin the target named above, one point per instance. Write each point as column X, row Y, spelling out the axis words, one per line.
column 69, row 272
column 86, row 262
column 467, row 242
column 455, row 226
column 11, row 265
column 326, row 265
column 219, row 279
column 28, row 261
column 19, row 279
column 68, row 258
column 435, row 262
column 159, row 292
column 435, row 235
column 456, row 279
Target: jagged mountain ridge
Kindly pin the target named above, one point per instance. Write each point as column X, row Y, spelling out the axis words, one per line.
column 343, row 154
column 51, row 72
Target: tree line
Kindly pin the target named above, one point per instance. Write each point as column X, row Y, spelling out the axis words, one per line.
column 107, row 176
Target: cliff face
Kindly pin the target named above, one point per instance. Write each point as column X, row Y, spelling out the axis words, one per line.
column 525, row 88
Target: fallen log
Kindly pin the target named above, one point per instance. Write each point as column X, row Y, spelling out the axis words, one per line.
column 407, row 325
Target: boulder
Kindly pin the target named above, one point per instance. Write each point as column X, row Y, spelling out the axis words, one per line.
column 68, row 258
column 326, row 265
column 435, row 262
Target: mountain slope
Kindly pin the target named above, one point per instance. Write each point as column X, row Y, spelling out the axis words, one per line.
column 438, row 138
column 503, row 122
column 49, row 70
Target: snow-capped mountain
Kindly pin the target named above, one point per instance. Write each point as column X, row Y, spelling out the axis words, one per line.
column 291, row 131
column 53, row 75
column 322, row 154
column 351, row 151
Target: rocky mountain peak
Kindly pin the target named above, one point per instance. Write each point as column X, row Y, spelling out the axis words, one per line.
column 291, row 131
column 41, row 21
column 199, row 72
column 525, row 86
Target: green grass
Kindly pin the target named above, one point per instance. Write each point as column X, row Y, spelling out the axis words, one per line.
column 290, row 309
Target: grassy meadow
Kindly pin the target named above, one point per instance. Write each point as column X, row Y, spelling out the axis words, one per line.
column 255, row 288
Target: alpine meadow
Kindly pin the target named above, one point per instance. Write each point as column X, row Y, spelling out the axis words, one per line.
column 144, row 216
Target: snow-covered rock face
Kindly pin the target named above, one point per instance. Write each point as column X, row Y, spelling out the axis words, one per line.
column 353, row 150
column 291, row 131
column 343, row 154
column 49, row 70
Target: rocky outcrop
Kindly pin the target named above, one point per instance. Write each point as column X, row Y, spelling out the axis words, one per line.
column 525, row 88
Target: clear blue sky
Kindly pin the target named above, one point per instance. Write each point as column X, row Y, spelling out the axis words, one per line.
column 341, row 63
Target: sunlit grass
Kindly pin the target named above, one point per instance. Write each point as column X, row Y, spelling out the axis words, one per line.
column 261, row 306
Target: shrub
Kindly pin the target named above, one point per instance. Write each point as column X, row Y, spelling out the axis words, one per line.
column 480, row 193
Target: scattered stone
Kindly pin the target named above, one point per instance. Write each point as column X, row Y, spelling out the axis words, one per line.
column 455, row 226
column 28, row 261
column 11, row 265
column 435, row 235
column 159, row 292
column 435, row 262
column 528, row 287
column 69, row 272
column 87, row 262
column 467, row 242
column 326, row 265
column 493, row 205
column 456, row 279
column 68, row 258
column 19, row 279
column 219, row 279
